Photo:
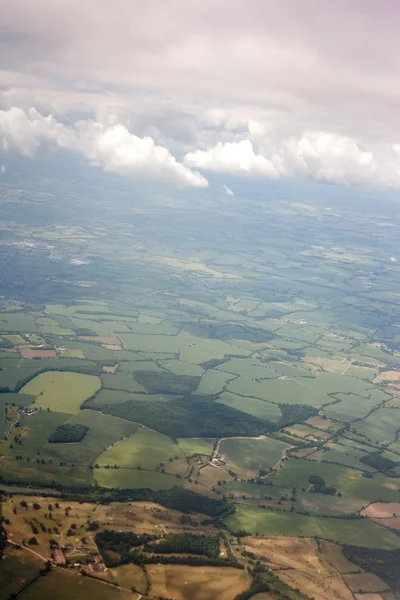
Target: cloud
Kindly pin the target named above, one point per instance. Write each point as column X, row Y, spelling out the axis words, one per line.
column 3, row 169
column 191, row 76
column 28, row 133
column 113, row 148
column 228, row 191
column 321, row 156
column 313, row 66
column 232, row 157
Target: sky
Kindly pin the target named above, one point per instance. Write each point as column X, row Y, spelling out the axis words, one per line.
column 176, row 90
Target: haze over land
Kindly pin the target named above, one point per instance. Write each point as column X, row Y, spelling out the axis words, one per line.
column 199, row 300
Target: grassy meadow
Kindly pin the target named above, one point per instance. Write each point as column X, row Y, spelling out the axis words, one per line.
column 269, row 522
column 61, row 392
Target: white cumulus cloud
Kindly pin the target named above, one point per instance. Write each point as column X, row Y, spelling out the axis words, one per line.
column 265, row 92
column 232, row 157
column 316, row 155
column 29, row 132
column 113, row 148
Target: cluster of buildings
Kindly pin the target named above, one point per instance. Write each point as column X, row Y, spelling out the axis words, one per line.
column 27, row 411
column 62, row 557
column 217, row 460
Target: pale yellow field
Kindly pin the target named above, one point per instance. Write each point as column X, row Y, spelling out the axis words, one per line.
column 302, row 431
column 182, row 582
column 112, row 369
column 332, row 553
column 325, row 424
column 300, row 564
column 387, row 376
column 395, row 402
column 332, row 365
column 193, row 266
column 209, row 476
column 128, row 576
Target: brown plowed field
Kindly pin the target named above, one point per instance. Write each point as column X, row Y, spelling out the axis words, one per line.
column 381, row 510
column 37, row 353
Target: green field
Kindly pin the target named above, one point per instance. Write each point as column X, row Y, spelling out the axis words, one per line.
column 252, row 454
column 361, row 372
column 208, row 350
column 13, row 377
column 155, row 342
column 104, row 430
column 325, row 505
column 190, row 446
column 344, row 455
column 17, row 399
column 18, row 568
column 213, row 382
column 381, row 426
column 253, row 490
column 3, row 424
column 252, row 406
column 280, row 391
column 288, row 370
column 33, row 472
column 17, row 322
column 179, row 367
column 64, row 586
column 61, row 391
column 226, row 312
column 122, row 380
column 248, row 367
column 362, row 532
column 329, row 383
column 350, row 407
column 132, row 478
column 35, row 431
column 145, row 448
column 105, row 396
column 356, row 490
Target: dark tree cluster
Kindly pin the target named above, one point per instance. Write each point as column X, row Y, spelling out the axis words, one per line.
column 186, row 543
column 180, row 499
column 188, row 417
column 166, row 383
column 319, row 486
column 295, row 413
column 379, row 462
column 384, row 563
column 3, row 540
column 68, row 433
column 120, row 543
column 118, row 548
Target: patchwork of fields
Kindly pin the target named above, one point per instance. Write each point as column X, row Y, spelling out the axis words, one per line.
column 160, row 411
column 257, row 373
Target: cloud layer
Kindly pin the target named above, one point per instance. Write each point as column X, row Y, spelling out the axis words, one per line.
column 317, row 155
column 113, row 148
column 307, row 88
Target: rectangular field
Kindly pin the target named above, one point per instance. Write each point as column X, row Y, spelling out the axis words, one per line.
column 252, row 454
column 270, row 522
